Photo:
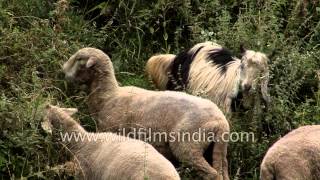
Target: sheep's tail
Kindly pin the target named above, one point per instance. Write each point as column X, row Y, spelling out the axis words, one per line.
column 219, row 151
column 157, row 69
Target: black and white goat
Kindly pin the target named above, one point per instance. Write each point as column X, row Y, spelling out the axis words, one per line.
column 210, row 70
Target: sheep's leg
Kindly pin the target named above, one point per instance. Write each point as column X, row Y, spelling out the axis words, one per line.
column 219, row 156
column 225, row 169
column 266, row 173
column 193, row 156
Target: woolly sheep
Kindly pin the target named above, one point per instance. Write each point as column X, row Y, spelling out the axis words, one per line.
column 172, row 113
column 296, row 156
column 210, row 70
column 107, row 155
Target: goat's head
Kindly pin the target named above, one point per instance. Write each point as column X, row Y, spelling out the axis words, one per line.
column 84, row 65
column 254, row 72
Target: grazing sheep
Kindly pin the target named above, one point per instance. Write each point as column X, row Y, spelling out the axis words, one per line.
column 209, row 69
column 296, row 156
column 107, row 155
column 168, row 112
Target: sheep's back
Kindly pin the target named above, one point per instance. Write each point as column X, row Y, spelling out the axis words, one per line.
column 162, row 110
column 124, row 158
column 298, row 152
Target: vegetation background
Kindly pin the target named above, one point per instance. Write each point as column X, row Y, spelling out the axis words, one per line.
column 37, row 36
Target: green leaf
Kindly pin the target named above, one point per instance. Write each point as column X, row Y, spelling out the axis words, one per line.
column 151, row 30
column 100, row 6
column 2, row 161
column 165, row 36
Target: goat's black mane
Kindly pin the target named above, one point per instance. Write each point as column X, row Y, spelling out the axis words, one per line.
column 221, row 58
column 179, row 74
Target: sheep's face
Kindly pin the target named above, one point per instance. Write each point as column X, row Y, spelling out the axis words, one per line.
column 80, row 66
column 254, row 69
column 76, row 69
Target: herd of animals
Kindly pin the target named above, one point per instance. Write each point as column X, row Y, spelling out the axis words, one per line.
column 207, row 69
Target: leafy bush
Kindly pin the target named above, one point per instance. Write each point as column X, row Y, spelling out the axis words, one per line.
column 30, row 75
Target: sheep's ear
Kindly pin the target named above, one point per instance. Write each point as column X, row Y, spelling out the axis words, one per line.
column 91, row 62
column 69, row 111
column 242, row 48
column 46, row 126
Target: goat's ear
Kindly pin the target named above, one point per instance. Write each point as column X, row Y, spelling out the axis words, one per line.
column 242, row 48
column 70, row 111
column 91, row 62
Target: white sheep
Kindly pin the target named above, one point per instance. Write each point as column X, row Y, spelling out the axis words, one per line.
column 171, row 113
column 210, row 70
column 107, row 155
column 296, row 156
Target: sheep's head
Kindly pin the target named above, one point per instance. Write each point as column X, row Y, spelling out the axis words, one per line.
column 56, row 116
column 83, row 66
column 254, row 72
